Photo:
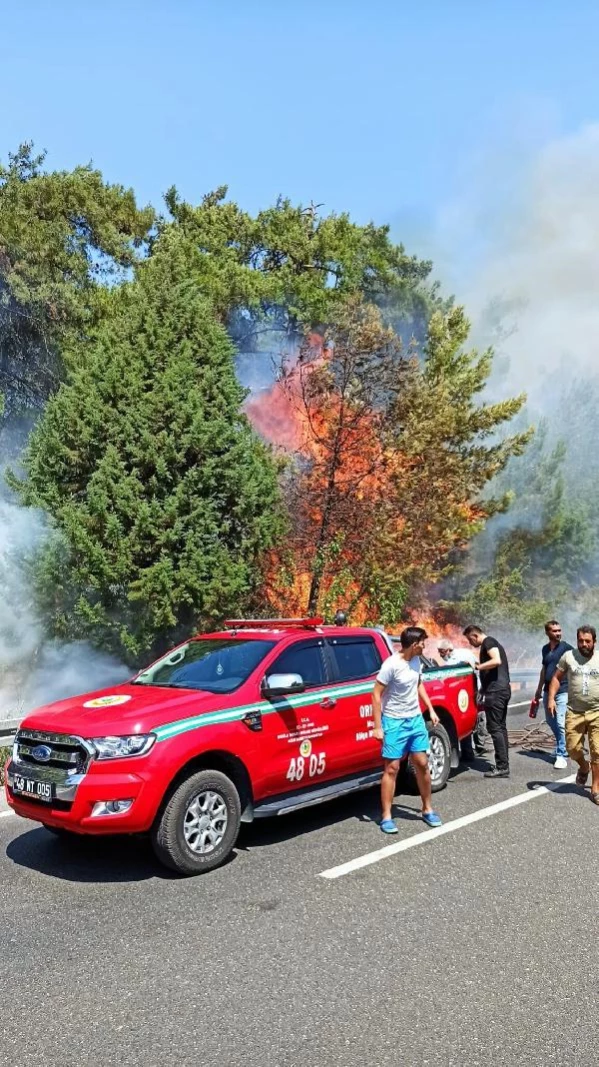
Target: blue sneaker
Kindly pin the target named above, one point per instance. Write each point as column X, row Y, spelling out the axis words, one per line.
column 431, row 818
column 388, row 826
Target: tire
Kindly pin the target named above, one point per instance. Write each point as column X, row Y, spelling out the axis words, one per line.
column 199, row 824
column 439, row 760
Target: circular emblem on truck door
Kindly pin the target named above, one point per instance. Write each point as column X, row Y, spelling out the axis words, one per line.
column 306, row 748
column 42, row 753
column 463, row 700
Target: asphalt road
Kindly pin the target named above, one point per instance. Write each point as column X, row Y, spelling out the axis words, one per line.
column 476, row 947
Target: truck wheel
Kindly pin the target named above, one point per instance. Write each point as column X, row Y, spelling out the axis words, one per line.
column 199, row 825
column 439, row 760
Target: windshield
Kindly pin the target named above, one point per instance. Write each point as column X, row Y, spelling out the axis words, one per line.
column 216, row 665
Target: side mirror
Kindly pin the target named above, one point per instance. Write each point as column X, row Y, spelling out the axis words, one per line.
column 278, row 685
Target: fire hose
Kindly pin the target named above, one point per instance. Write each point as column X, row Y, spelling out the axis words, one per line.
column 535, row 738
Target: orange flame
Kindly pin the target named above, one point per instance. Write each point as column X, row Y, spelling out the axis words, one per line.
column 437, row 626
column 283, row 416
column 277, row 413
column 273, row 416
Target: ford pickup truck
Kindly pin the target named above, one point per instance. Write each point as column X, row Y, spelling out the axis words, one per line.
column 262, row 718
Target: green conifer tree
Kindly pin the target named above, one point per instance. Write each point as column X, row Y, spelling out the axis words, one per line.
column 163, row 497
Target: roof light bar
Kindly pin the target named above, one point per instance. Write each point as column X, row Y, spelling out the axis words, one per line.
column 273, row 624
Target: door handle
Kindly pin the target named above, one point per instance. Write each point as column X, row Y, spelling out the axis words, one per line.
column 328, row 702
column 253, row 720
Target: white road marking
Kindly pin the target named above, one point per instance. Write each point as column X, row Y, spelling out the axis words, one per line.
column 6, row 814
column 447, row 828
column 522, row 704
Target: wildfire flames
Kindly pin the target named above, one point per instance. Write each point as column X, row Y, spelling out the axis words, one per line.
column 277, row 412
column 437, row 627
column 273, row 416
column 301, row 430
column 281, row 416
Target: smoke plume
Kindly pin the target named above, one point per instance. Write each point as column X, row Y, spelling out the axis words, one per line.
column 520, row 248
column 33, row 669
column 526, row 250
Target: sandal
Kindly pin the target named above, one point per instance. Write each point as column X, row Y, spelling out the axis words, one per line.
column 431, row 818
column 388, row 826
column 582, row 778
column 595, row 798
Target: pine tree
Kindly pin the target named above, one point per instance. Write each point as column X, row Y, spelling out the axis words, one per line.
column 66, row 237
column 289, row 268
column 163, row 497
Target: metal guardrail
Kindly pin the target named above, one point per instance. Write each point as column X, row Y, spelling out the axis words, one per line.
column 524, row 679
column 8, row 729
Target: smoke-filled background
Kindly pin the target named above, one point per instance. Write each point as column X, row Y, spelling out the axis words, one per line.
column 34, row 670
column 533, row 234
column 520, row 247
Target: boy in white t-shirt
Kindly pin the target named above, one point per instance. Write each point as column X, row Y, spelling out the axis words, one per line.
column 400, row 725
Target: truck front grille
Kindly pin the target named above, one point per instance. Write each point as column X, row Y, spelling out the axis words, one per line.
column 68, row 755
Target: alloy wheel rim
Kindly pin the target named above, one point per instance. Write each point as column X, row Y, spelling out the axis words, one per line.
column 436, row 759
column 205, row 822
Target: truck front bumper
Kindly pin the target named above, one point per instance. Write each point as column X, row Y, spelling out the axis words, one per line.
column 82, row 790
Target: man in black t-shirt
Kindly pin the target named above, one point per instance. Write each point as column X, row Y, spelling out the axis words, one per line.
column 494, row 675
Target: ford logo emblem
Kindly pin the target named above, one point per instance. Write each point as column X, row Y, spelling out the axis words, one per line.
column 42, row 753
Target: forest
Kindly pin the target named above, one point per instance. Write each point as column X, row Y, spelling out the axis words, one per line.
column 219, row 413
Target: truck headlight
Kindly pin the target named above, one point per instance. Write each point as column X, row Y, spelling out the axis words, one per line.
column 120, row 747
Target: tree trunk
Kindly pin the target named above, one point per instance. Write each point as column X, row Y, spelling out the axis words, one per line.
column 319, row 565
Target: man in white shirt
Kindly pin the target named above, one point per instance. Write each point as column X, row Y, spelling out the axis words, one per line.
column 454, row 657
column 474, row 745
column 399, row 724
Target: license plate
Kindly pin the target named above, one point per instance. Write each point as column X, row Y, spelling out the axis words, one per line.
column 28, row 787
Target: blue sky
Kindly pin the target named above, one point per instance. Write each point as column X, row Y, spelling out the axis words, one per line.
column 378, row 108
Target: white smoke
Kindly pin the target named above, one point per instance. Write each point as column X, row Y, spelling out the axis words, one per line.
column 525, row 234
column 520, row 248
column 33, row 670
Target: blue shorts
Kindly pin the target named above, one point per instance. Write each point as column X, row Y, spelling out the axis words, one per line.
column 403, row 736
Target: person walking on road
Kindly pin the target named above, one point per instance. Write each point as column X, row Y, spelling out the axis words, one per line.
column 496, row 690
column 580, row 667
column 551, row 654
column 399, row 723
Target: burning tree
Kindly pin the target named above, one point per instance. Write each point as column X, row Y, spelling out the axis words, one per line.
column 341, row 392
column 391, row 455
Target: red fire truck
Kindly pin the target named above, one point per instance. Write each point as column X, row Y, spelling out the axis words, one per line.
column 263, row 718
